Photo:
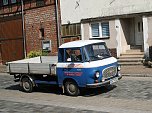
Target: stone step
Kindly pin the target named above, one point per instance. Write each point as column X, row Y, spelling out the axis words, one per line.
column 134, row 51
column 130, row 60
column 130, row 63
column 131, row 57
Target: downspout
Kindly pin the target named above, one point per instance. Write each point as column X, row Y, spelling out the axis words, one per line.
column 57, row 23
column 23, row 32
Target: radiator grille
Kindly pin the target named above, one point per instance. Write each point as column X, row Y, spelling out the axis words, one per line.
column 109, row 72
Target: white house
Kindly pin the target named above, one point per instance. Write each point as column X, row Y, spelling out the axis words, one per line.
column 123, row 24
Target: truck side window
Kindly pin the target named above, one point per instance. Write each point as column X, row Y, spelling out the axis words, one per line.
column 73, row 55
column 60, row 55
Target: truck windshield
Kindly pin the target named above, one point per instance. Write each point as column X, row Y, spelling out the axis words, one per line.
column 97, row 51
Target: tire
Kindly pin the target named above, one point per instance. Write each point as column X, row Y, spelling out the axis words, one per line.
column 71, row 88
column 27, row 85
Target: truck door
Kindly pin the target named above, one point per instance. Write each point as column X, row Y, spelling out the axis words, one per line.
column 74, row 65
column 70, row 65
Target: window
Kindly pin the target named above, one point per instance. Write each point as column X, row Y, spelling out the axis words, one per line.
column 100, row 30
column 97, row 51
column 73, row 55
column 61, row 55
column 40, row 3
column 5, row 2
column 140, row 26
column 105, row 29
column 13, row 1
column 46, row 45
column 42, row 33
column 95, row 30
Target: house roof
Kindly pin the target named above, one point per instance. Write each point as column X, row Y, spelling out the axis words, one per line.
column 79, row 43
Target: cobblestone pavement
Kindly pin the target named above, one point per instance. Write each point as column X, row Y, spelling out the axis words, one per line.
column 136, row 70
column 18, row 107
column 130, row 93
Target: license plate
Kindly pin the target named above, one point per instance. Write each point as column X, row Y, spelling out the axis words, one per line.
column 113, row 80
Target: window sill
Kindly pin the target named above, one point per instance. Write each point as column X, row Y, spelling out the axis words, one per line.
column 99, row 38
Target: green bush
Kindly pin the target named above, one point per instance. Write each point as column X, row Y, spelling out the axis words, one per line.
column 32, row 54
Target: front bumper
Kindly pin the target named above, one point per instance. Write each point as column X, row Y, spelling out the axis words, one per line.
column 107, row 82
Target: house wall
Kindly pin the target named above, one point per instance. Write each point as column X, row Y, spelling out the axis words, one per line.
column 75, row 10
column 147, row 25
column 110, row 42
column 125, row 32
column 36, row 19
column 36, row 16
column 149, row 41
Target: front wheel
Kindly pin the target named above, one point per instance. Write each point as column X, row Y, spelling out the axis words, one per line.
column 71, row 88
column 27, row 85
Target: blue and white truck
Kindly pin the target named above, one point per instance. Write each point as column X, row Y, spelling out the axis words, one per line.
column 79, row 64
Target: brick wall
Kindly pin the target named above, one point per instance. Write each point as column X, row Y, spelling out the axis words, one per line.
column 38, row 18
column 69, row 39
column 113, row 52
column 0, row 58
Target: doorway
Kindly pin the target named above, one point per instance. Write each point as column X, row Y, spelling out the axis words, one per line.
column 138, row 31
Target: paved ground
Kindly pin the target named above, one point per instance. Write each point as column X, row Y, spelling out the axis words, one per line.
column 20, row 107
column 129, row 95
column 137, row 70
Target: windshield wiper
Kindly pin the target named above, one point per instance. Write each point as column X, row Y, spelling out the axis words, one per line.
column 106, row 55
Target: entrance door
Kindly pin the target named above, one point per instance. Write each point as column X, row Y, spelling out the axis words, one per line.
column 11, row 41
column 138, row 31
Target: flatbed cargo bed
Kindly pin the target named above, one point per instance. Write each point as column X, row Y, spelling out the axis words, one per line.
column 36, row 65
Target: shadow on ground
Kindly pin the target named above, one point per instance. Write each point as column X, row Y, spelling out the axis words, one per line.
column 97, row 91
column 54, row 89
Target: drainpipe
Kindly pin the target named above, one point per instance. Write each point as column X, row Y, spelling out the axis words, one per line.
column 23, row 32
column 57, row 23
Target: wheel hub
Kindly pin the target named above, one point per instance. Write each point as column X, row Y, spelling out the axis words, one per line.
column 26, row 85
column 72, row 88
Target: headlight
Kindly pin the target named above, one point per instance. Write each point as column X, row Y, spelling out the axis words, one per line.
column 119, row 68
column 97, row 74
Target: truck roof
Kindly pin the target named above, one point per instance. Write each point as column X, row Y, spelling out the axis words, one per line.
column 79, row 43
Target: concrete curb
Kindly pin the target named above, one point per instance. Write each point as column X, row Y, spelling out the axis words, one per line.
column 4, row 73
column 137, row 75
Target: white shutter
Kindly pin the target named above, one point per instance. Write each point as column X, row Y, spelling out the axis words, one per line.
column 5, row 2
column 95, row 29
column 13, row 1
column 105, row 29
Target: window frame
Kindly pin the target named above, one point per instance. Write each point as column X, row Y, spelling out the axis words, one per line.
column 73, row 49
column 13, row 2
column 40, row 3
column 5, row 4
column 100, row 30
column 46, row 45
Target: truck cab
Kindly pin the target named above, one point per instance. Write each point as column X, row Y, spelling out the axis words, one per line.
column 86, row 64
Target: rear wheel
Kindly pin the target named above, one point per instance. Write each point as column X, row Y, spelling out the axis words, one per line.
column 27, row 85
column 71, row 88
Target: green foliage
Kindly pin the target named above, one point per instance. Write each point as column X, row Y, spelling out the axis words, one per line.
column 32, row 54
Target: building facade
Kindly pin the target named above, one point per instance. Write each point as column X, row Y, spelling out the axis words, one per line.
column 122, row 24
column 35, row 28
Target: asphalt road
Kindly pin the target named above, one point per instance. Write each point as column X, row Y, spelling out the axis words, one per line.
column 129, row 95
